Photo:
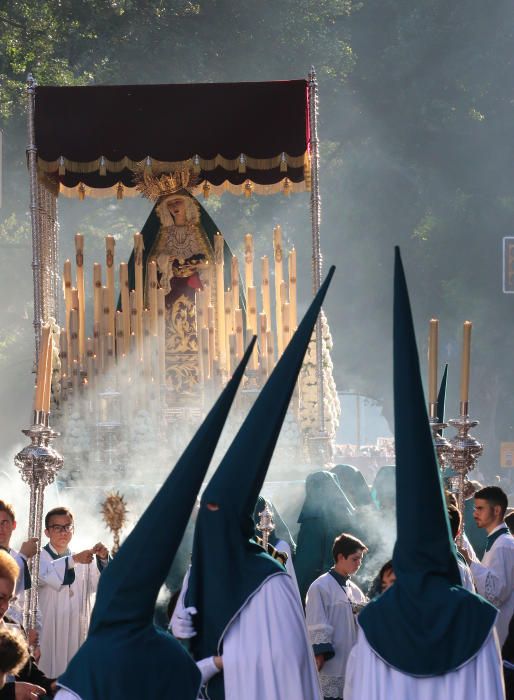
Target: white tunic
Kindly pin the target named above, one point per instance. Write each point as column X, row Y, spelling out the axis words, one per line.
column 266, row 651
column 65, row 610
column 283, row 546
column 494, row 579
column 466, row 576
column 370, row 678
column 331, row 621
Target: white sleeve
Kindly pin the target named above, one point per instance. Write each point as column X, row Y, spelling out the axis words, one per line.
column 319, row 629
column 51, row 571
column 207, row 668
column 65, row 694
column 493, row 581
column 180, row 606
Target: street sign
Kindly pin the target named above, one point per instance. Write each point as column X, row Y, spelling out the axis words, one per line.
column 507, row 454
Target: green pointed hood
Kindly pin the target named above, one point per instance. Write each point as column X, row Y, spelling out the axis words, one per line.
column 426, row 624
column 227, row 567
column 122, row 639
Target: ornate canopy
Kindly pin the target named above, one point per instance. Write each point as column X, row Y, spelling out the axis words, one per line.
column 237, row 137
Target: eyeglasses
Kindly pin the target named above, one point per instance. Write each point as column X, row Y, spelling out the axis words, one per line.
column 61, row 528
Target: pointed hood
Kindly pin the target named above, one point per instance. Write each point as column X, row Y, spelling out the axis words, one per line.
column 227, row 567
column 122, row 638
column 353, row 484
column 426, row 624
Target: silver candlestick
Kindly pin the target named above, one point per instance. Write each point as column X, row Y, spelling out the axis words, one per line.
column 266, row 525
column 38, row 464
column 465, row 450
column 442, row 446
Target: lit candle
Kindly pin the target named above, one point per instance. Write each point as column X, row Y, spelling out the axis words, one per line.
column 279, row 276
column 152, row 295
column 234, row 281
column 91, row 374
column 248, row 249
column 44, row 349
column 229, row 320
column 110, row 284
column 120, row 341
column 238, row 328
column 465, row 367
column 266, row 305
column 75, row 351
column 251, row 324
column 125, row 306
column 138, row 264
column 79, row 258
column 433, row 344
column 293, row 313
column 220, row 300
column 263, row 345
column 97, row 295
column 271, row 351
column 147, row 348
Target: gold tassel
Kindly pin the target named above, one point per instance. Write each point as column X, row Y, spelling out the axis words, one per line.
column 283, row 163
column 248, row 187
column 119, row 191
column 82, row 192
column 102, row 169
column 206, row 189
column 286, row 187
column 62, row 167
column 196, row 165
column 242, row 164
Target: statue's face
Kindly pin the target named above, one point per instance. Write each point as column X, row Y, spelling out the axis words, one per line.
column 177, row 209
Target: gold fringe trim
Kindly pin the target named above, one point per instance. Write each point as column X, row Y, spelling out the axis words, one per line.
column 284, row 186
column 103, row 165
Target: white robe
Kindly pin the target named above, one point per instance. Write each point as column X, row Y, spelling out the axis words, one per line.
column 466, row 576
column 65, row 611
column 494, row 580
column 15, row 610
column 370, row 678
column 266, row 651
column 331, row 621
column 283, row 546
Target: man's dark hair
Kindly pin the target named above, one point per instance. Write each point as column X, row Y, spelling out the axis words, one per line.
column 57, row 511
column 455, row 520
column 347, row 544
column 495, row 496
column 7, row 508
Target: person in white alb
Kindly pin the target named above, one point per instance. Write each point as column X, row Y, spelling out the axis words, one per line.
column 330, row 608
column 67, row 583
column 494, row 575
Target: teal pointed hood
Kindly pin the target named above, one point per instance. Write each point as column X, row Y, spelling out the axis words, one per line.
column 426, row 624
column 124, row 651
column 228, row 567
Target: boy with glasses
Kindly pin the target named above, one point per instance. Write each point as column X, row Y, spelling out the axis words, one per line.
column 67, row 582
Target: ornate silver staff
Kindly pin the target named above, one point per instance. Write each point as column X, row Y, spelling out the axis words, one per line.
column 266, row 525
column 465, row 449
column 38, row 464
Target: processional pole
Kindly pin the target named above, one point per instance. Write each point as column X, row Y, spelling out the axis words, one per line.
column 320, row 444
column 35, row 218
column 38, row 463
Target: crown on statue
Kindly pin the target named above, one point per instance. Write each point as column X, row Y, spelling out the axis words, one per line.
column 154, row 186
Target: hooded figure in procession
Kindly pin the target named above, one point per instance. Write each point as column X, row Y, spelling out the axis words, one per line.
column 125, row 656
column 426, row 636
column 242, row 602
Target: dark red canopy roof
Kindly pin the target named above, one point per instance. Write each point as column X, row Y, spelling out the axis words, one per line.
column 232, row 131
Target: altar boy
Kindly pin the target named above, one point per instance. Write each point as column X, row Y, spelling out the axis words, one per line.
column 330, row 610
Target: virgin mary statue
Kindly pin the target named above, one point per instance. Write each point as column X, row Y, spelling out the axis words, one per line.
column 179, row 236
